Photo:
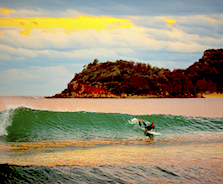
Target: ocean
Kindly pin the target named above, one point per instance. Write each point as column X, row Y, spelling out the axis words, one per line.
column 100, row 141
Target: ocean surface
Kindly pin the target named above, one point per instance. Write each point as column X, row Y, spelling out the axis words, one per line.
column 100, row 141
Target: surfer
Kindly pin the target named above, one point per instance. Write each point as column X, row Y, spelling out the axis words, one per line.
column 149, row 130
column 149, row 127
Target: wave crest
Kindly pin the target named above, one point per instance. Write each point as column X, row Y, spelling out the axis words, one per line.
column 6, row 120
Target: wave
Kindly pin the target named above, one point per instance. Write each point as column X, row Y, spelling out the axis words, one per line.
column 22, row 124
column 5, row 120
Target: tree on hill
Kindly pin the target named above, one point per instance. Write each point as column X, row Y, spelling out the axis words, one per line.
column 130, row 78
column 207, row 74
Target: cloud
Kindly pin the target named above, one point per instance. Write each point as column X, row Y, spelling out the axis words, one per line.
column 143, row 32
column 170, row 64
column 48, row 24
column 196, row 24
column 105, row 45
column 31, row 73
column 201, row 25
column 12, row 54
column 4, row 49
column 55, row 47
column 124, row 7
column 38, row 12
column 5, row 10
column 211, row 19
column 170, row 21
column 34, row 80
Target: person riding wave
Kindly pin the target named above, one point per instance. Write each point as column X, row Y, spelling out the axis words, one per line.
column 149, row 127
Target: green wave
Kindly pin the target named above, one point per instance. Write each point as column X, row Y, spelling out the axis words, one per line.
column 30, row 125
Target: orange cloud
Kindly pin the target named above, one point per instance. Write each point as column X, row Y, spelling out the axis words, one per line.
column 211, row 19
column 5, row 10
column 0, row 33
column 69, row 24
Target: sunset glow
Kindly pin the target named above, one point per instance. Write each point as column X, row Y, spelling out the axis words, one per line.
column 5, row 10
column 55, row 39
column 69, row 24
column 170, row 21
column 111, row 91
column 211, row 19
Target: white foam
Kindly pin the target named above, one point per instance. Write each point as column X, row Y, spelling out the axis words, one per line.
column 133, row 121
column 6, row 120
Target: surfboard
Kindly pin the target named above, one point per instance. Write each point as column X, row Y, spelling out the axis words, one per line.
column 151, row 132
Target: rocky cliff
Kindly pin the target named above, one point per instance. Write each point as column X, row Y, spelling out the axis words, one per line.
column 123, row 79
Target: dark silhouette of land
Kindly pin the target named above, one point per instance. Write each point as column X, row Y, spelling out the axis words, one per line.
column 127, row 79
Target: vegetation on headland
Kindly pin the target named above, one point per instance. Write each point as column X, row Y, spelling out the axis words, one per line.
column 127, row 79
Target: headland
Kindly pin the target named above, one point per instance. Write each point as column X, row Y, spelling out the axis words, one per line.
column 127, row 79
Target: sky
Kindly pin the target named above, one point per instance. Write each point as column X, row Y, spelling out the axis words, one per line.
column 44, row 43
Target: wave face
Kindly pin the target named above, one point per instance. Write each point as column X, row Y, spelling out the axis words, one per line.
column 90, row 147
column 29, row 125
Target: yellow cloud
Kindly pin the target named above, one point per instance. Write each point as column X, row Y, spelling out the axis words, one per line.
column 211, row 19
column 5, row 10
column 69, row 24
column 170, row 21
column 0, row 33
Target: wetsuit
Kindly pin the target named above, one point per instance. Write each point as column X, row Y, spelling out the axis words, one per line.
column 150, row 127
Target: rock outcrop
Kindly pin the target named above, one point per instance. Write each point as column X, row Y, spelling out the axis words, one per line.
column 124, row 79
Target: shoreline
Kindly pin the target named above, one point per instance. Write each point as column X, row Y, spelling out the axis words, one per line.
column 212, row 95
column 145, row 96
column 200, row 95
column 196, row 107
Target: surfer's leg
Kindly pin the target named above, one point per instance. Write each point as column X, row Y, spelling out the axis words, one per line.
column 139, row 123
column 144, row 123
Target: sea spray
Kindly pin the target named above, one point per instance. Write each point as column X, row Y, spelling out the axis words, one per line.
column 6, row 120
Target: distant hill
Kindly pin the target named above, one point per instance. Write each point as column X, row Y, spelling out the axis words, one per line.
column 129, row 79
column 207, row 73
